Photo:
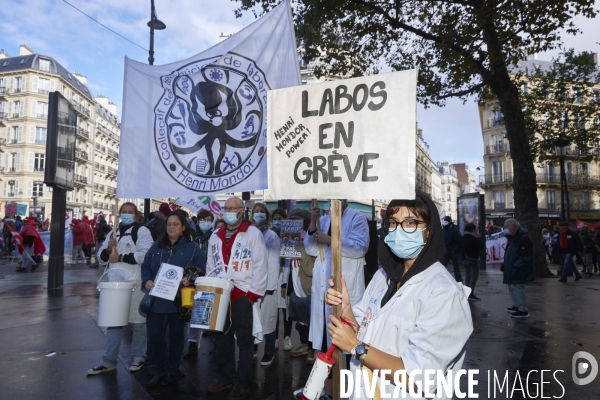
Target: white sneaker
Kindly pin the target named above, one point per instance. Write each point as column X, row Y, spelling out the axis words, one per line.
column 82, row 261
column 136, row 366
column 71, row 262
column 287, row 343
column 276, row 343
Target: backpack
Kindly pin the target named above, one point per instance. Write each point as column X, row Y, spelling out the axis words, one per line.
column 152, row 226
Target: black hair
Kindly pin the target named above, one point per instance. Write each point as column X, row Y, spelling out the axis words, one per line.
column 418, row 206
column 470, row 227
column 187, row 229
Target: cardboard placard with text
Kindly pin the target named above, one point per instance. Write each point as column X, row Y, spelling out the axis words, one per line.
column 291, row 235
column 351, row 138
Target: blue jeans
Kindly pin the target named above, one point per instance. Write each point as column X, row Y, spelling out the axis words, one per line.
column 569, row 265
column 26, row 260
column 139, row 344
column 472, row 273
column 166, row 361
column 8, row 244
column 270, row 342
column 517, row 292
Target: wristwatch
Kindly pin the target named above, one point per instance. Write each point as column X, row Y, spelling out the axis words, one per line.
column 359, row 351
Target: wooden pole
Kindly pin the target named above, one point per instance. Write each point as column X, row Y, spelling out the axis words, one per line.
column 336, row 273
column 315, row 203
column 116, row 223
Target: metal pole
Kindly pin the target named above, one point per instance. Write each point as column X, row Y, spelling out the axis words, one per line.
column 151, row 62
column 56, row 262
column 373, row 210
column 562, row 189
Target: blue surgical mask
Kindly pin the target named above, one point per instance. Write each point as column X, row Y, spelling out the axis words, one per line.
column 205, row 226
column 127, row 219
column 506, row 232
column 444, row 223
column 405, row 245
column 277, row 223
column 231, row 218
column 260, row 217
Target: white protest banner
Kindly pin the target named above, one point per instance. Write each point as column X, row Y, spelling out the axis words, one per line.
column 200, row 124
column 495, row 247
column 167, row 281
column 202, row 202
column 352, row 138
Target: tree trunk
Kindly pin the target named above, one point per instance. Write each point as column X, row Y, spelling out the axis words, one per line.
column 524, row 180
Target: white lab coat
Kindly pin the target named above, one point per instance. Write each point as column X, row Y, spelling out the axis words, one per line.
column 355, row 242
column 125, row 245
column 426, row 323
column 269, row 303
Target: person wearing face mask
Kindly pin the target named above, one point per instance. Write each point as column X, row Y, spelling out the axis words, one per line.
column 131, row 243
column 204, row 229
column 261, row 218
column 518, row 266
column 237, row 252
column 413, row 315
column 277, row 215
column 355, row 243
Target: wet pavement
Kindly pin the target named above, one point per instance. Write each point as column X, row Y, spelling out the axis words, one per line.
column 49, row 339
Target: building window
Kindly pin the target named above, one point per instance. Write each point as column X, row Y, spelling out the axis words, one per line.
column 38, row 189
column 14, row 162
column 524, row 88
column 14, row 137
column 43, row 85
column 23, row 61
column 42, row 110
column 498, row 171
column 18, row 109
column 19, row 84
column 40, row 135
column 39, row 162
column 499, row 200
column 449, row 198
column 550, row 201
column 596, row 95
column 44, row 65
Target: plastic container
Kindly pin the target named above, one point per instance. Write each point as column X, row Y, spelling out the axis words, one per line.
column 318, row 375
column 187, row 297
column 115, row 299
column 211, row 303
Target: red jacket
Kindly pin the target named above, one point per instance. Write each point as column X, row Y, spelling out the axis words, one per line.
column 30, row 229
column 88, row 231
column 78, row 232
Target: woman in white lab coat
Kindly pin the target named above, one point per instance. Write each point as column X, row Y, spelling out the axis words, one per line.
column 413, row 315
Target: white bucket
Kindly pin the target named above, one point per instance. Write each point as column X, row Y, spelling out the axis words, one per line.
column 211, row 303
column 114, row 304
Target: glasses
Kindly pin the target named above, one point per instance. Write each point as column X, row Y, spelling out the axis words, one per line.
column 229, row 209
column 408, row 225
column 204, row 220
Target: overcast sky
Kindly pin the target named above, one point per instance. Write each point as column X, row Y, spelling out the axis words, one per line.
column 56, row 29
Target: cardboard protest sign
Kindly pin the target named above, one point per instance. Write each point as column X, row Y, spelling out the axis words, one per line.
column 290, row 233
column 352, row 138
column 495, row 246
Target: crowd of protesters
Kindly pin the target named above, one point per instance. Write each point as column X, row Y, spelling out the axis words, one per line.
column 299, row 287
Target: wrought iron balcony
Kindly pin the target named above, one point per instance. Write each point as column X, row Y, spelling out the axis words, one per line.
column 83, row 132
column 2, row 141
column 112, row 153
column 499, row 206
column 497, row 148
column 40, row 141
column 81, row 179
column 111, row 170
column 42, row 115
column 43, row 91
column 496, row 178
column 2, row 90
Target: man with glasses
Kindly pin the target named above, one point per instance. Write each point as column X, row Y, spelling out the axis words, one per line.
column 237, row 253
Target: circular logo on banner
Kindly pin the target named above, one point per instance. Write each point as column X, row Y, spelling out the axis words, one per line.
column 171, row 274
column 209, row 125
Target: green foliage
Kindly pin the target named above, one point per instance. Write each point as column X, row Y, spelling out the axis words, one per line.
column 562, row 98
column 459, row 46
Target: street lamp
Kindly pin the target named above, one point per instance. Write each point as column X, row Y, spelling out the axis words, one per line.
column 157, row 24
column 153, row 24
column 560, row 147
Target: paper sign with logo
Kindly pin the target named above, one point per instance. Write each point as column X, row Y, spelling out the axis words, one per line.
column 352, row 138
column 167, row 281
column 202, row 202
column 200, row 124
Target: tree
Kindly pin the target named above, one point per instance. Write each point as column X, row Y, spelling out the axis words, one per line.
column 460, row 47
column 563, row 98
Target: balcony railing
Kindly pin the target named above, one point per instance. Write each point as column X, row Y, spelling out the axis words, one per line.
column 99, row 166
column 2, row 115
column 100, row 148
column 81, row 179
column 2, row 141
column 16, row 115
column 43, row 91
column 111, row 170
column 107, row 132
column 42, row 115
column 80, row 108
column 494, row 122
column 16, row 90
column 111, row 190
column 81, row 154
column 39, row 169
column 2, row 90
column 551, row 206
column 495, row 178
column 497, row 148
column 499, row 206
column 112, row 153
column 11, row 194
column 83, row 133
column 40, row 141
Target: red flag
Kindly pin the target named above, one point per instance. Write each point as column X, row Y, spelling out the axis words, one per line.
column 17, row 239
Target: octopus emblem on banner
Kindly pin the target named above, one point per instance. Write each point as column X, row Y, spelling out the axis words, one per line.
column 210, row 130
